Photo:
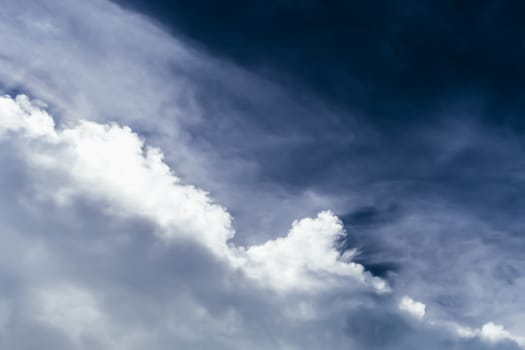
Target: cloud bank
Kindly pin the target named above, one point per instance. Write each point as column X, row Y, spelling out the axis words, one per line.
column 109, row 165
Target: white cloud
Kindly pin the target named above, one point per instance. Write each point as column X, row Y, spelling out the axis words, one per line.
column 306, row 258
column 412, row 307
column 494, row 332
column 110, row 163
column 490, row 332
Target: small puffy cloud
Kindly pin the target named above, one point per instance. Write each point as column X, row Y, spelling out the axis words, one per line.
column 412, row 307
column 307, row 258
column 495, row 333
column 491, row 333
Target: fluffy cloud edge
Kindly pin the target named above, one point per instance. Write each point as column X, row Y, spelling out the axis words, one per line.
column 113, row 164
column 490, row 332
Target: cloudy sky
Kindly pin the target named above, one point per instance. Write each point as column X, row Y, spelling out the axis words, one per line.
column 262, row 175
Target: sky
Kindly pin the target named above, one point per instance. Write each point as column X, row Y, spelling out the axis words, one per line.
column 273, row 174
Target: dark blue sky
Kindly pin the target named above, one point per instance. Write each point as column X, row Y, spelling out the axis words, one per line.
column 396, row 62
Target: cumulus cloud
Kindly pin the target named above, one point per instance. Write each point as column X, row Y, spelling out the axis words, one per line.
column 496, row 333
column 413, row 307
column 111, row 163
column 306, row 258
